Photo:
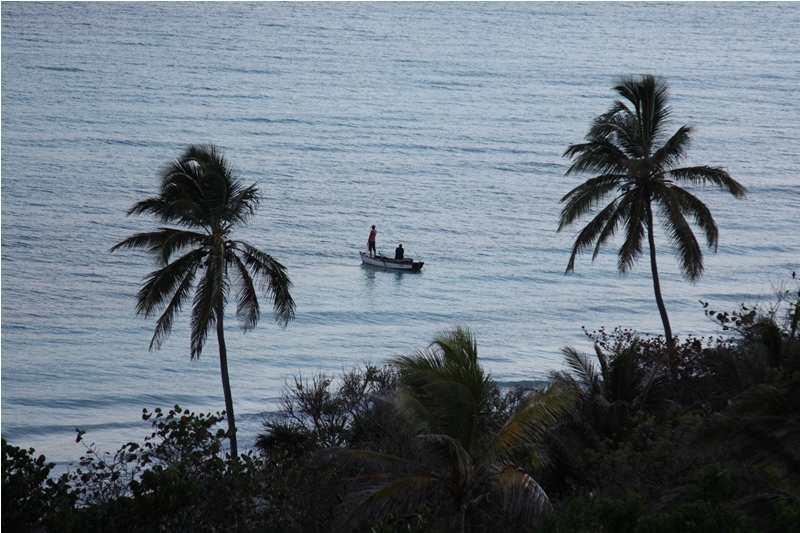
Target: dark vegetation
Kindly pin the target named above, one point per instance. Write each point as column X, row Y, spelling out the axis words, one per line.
column 638, row 436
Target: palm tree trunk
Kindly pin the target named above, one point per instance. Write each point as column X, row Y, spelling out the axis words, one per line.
column 226, row 386
column 656, row 284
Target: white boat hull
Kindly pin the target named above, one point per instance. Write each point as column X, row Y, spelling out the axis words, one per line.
column 394, row 264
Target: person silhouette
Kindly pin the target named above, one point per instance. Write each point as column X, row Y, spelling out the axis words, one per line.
column 399, row 252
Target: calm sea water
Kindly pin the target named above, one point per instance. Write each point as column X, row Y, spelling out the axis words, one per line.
column 443, row 124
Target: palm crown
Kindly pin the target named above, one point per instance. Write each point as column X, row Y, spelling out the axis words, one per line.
column 637, row 166
column 201, row 196
column 461, row 455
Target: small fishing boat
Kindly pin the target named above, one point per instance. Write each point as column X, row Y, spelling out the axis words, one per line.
column 388, row 262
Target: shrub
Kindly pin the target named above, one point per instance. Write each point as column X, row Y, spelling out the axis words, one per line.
column 31, row 499
column 179, row 480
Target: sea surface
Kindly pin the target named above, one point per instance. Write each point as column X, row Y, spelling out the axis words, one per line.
column 443, row 124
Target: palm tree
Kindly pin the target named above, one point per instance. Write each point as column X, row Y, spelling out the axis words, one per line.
column 611, row 396
column 624, row 148
column 459, row 457
column 201, row 196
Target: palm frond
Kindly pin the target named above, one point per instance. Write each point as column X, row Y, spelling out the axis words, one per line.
column 522, row 495
column 620, row 127
column 451, row 356
column 650, row 96
column 247, row 309
column 182, row 197
column 691, row 205
column 370, row 462
column 607, row 126
column 705, row 175
column 165, row 321
column 154, row 206
column 272, row 277
column 415, row 414
column 598, row 155
column 685, row 245
column 448, row 380
column 209, row 302
column 179, row 240
column 618, row 217
column 162, row 243
column 532, row 417
column 406, row 491
column 459, row 349
column 583, row 368
column 456, row 456
column 242, row 204
column 635, row 224
column 457, row 409
column 605, row 222
column 674, row 149
column 625, row 380
column 160, row 285
column 224, row 196
column 587, row 196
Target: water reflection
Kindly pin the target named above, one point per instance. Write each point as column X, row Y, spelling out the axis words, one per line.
column 369, row 275
column 373, row 273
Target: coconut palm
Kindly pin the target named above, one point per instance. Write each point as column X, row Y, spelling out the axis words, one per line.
column 611, row 396
column 458, row 457
column 637, row 166
column 200, row 194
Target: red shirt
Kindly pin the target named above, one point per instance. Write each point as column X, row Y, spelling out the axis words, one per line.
column 372, row 235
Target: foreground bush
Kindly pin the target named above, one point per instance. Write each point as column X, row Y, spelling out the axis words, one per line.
column 32, row 500
column 178, row 480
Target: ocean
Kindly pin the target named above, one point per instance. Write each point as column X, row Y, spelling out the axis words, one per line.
column 443, row 124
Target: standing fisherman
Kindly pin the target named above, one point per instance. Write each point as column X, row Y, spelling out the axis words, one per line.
column 371, row 242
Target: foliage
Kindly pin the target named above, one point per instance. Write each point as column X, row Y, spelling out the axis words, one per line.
column 761, row 429
column 457, row 459
column 201, row 195
column 597, row 515
column 178, row 480
column 769, row 329
column 704, row 509
column 652, row 460
column 623, row 385
column 322, row 412
column 636, row 165
column 32, row 500
column 787, row 516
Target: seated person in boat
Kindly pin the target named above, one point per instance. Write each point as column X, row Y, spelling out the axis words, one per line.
column 398, row 252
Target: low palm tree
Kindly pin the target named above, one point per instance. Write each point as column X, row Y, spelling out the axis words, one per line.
column 637, row 166
column 459, row 458
column 612, row 394
column 200, row 194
